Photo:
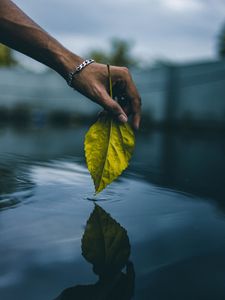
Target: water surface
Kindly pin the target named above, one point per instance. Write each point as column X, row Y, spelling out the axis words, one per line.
column 170, row 201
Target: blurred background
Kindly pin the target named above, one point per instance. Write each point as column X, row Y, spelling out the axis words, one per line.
column 175, row 50
column 176, row 53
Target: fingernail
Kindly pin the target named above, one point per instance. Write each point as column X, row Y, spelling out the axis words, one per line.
column 122, row 118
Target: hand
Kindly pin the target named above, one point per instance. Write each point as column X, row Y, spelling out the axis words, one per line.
column 26, row 36
column 93, row 82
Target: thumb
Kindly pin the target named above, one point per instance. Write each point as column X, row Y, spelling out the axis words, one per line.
column 112, row 106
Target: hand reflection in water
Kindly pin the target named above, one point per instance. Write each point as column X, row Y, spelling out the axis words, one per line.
column 106, row 246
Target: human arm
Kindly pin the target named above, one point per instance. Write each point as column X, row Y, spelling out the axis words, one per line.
column 21, row 33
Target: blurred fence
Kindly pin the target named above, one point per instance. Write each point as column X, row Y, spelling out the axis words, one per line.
column 186, row 94
column 189, row 94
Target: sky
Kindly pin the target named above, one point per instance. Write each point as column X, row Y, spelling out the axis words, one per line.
column 177, row 30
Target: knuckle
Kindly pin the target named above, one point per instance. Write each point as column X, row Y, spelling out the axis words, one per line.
column 125, row 71
column 97, row 91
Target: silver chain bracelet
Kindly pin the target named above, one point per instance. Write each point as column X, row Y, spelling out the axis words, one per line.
column 71, row 74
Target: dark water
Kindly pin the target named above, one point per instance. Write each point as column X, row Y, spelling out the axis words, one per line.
column 171, row 202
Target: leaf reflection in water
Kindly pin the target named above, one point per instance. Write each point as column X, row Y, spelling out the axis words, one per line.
column 105, row 244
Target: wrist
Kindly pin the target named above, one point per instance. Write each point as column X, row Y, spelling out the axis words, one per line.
column 66, row 61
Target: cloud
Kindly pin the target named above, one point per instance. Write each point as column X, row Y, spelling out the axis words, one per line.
column 175, row 29
column 183, row 5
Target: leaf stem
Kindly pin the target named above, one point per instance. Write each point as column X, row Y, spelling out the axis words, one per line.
column 110, row 81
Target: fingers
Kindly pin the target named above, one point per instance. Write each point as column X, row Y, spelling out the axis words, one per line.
column 133, row 96
column 93, row 83
column 121, row 113
column 112, row 106
column 136, row 120
column 136, row 111
column 135, row 103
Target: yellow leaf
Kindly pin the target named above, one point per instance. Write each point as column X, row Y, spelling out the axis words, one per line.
column 108, row 149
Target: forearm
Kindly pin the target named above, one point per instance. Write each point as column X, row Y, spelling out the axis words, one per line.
column 21, row 33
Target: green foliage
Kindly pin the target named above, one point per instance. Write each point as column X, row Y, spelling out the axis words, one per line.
column 119, row 55
column 6, row 58
column 99, row 56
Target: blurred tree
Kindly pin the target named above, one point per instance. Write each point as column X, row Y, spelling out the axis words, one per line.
column 99, row 56
column 6, row 58
column 119, row 54
column 221, row 43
